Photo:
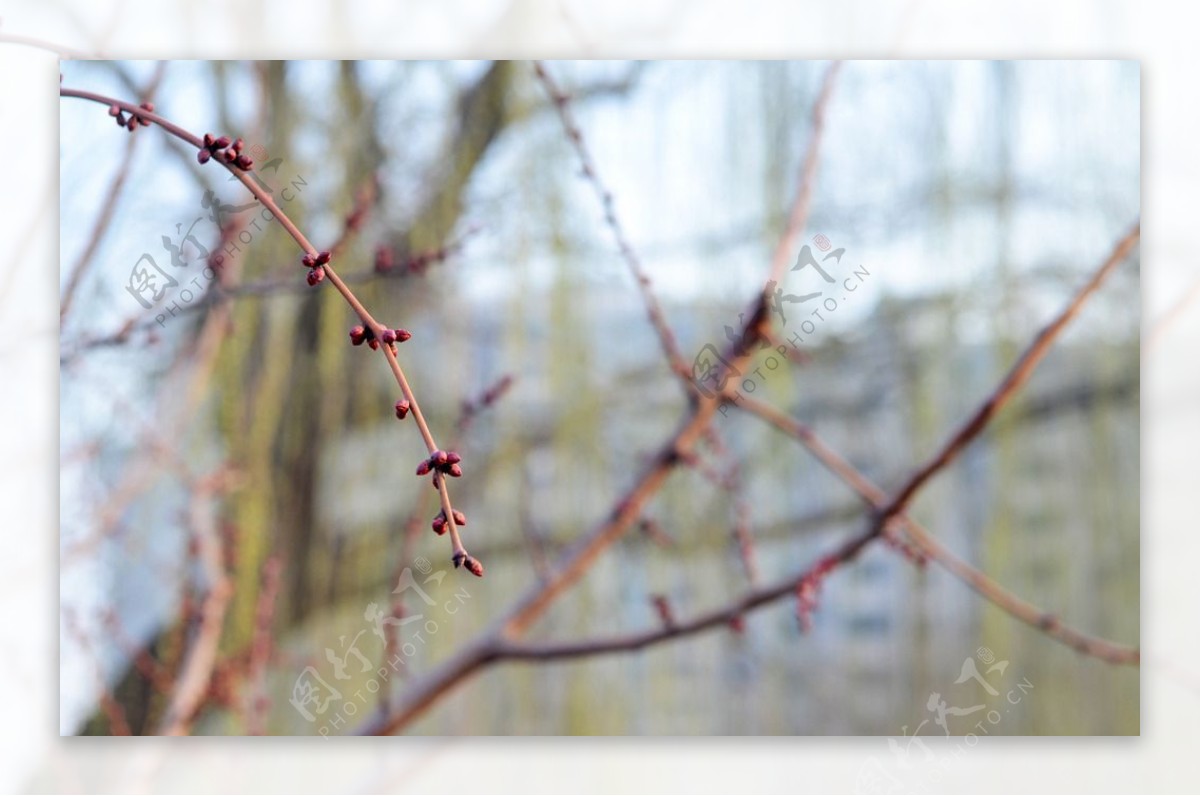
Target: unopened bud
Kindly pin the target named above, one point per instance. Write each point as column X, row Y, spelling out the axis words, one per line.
column 402, row 407
column 357, row 335
column 454, row 471
column 388, row 336
column 473, row 566
column 424, row 467
column 452, row 457
column 316, row 276
column 323, row 258
column 439, row 523
column 203, row 155
column 402, row 335
column 244, row 163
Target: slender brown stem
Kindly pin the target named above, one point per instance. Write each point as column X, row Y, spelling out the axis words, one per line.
column 798, row 217
column 933, row 549
column 1016, row 378
column 654, row 311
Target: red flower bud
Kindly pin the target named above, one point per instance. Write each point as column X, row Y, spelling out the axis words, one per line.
column 221, row 142
column 208, row 141
column 473, row 566
column 357, row 335
column 454, row 471
column 388, row 336
column 374, row 344
column 439, row 459
column 228, row 155
column 308, row 260
column 323, row 258
column 245, row 164
column 114, row 110
column 402, row 407
column 237, row 145
column 402, row 335
column 439, row 523
column 316, row 276
column 452, row 457
column 459, row 518
column 203, row 155
column 147, row 106
column 383, row 259
column 424, row 467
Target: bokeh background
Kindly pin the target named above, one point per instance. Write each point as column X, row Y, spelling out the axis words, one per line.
column 974, row 196
column 35, row 35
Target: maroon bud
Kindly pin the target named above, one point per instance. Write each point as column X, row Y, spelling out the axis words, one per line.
column 439, row 523
column 208, row 141
column 424, row 467
column 458, row 558
column 114, row 110
column 244, row 163
column 454, row 471
column 228, row 156
column 145, row 122
column 459, row 518
column 473, row 566
column 221, row 142
column 120, row 119
column 403, row 335
column 452, row 457
column 237, row 145
column 309, row 260
column 203, row 155
column 388, row 336
column 374, row 344
column 316, row 276
column 323, row 258
column 147, row 106
column 439, row 459
column 357, row 335
column 402, row 407
column 383, row 259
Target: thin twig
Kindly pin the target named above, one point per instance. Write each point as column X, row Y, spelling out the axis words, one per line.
column 654, row 311
column 192, row 684
column 113, row 197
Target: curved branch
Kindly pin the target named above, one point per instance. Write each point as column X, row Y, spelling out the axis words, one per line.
column 458, row 552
